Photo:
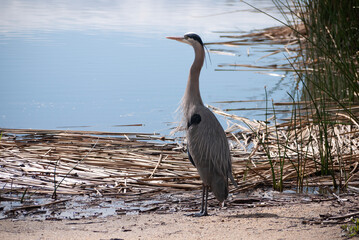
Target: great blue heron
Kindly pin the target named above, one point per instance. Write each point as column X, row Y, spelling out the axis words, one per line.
column 207, row 144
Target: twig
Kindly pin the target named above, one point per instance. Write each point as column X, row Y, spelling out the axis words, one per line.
column 56, row 187
column 36, row 206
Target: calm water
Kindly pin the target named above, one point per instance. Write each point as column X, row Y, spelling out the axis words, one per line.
column 96, row 65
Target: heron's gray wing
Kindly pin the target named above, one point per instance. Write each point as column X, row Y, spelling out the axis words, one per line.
column 208, row 145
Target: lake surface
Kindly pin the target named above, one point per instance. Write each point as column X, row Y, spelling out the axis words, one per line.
column 102, row 65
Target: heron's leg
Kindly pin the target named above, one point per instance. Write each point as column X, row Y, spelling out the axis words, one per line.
column 204, row 210
column 203, row 195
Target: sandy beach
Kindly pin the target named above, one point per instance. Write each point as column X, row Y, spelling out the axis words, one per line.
column 285, row 221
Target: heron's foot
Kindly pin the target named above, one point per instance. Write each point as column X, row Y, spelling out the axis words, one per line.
column 198, row 214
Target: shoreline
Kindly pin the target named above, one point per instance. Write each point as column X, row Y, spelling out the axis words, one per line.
column 285, row 221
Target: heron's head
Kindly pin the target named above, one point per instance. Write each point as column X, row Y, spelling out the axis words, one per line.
column 189, row 38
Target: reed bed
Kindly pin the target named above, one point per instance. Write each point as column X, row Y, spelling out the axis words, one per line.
column 107, row 164
column 278, row 40
column 79, row 162
column 281, row 35
column 293, row 151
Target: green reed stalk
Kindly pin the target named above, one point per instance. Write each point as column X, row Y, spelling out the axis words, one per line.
column 328, row 72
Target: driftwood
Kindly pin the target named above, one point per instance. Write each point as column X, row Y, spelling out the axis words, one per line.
column 27, row 207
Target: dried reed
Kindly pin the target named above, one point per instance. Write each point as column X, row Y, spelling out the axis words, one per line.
column 69, row 162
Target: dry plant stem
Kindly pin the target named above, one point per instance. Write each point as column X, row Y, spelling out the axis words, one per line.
column 54, row 195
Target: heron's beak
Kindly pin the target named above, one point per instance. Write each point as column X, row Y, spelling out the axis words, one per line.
column 180, row 39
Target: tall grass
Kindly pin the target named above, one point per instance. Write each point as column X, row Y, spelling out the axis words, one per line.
column 330, row 52
column 328, row 78
column 328, row 68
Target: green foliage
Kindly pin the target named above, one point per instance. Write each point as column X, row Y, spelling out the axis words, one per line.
column 352, row 229
column 23, row 196
column 263, row 140
column 328, row 79
column 327, row 67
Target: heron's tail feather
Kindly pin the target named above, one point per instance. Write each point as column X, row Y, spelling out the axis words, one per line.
column 219, row 187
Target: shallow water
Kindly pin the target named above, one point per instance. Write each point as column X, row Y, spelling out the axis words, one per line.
column 99, row 65
column 93, row 206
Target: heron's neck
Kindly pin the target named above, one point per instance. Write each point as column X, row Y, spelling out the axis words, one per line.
column 192, row 95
